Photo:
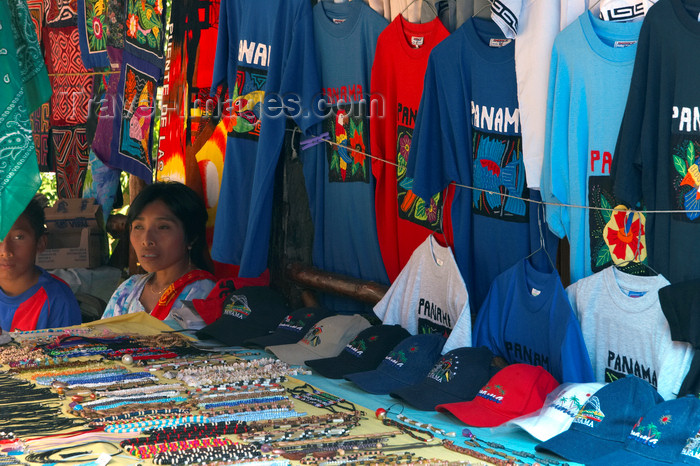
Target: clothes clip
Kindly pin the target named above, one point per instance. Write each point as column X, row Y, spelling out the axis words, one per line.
column 313, row 141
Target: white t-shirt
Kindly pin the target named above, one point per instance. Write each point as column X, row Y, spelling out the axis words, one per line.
column 429, row 295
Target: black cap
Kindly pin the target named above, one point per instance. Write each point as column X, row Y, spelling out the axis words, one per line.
column 247, row 312
column 292, row 328
column 363, row 353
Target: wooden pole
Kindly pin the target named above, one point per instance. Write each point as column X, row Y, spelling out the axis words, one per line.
column 360, row 290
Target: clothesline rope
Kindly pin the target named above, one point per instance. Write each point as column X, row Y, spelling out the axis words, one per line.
column 556, row 204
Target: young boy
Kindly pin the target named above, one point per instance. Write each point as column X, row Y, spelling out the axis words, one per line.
column 30, row 297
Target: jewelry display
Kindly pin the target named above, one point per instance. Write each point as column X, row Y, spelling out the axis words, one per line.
column 151, row 449
column 146, row 415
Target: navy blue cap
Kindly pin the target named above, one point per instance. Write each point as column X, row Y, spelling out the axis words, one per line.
column 605, row 420
column 407, row 364
column 363, row 353
column 457, row 376
column 292, row 328
column 668, row 433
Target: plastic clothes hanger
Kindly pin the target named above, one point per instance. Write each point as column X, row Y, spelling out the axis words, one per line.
column 543, row 246
column 423, row 3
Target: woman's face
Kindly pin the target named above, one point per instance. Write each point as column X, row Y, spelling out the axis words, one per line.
column 158, row 237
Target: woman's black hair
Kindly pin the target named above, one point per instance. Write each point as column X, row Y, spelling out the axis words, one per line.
column 187, row 206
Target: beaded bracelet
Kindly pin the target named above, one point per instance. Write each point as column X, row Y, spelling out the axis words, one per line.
column 248, row 408
column 334, row 418
column 450, row 445
column 228, row 453
column 147, row 415
column 409, row 430
column 423, row 425
column 151, row 449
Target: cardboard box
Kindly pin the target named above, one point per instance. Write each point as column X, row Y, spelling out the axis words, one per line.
column 75, row 235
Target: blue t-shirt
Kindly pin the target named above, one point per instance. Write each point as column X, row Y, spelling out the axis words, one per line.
column 468, row 131
column 527, row 318
column 589, row 81
column 265, row 54
column 50, row 303
column 339, row 181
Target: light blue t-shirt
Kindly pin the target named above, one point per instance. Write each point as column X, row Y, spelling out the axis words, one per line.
column 589, row 81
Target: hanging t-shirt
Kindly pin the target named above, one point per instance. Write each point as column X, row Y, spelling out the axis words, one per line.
column 265, row 53
column 339, row 180
column 583, row 122
column 657, row 157
column 527, row 318
column 404, row 220
column 680, row 303
column 468, row 131
column 429, row 295
column 535, row 24
column 50, row 303
column 626, row 332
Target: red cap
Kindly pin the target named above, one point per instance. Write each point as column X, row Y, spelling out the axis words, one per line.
column 514, row 391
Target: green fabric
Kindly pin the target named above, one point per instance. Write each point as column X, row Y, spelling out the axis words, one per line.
column 37, row 87
column 19, row 170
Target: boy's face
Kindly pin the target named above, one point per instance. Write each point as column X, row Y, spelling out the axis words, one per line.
column 18, row 251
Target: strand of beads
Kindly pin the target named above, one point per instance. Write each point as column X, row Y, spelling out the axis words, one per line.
column 189, row 431
column 248, row 408
column 236, row 395
column 243, row 401
column 144, row 415
column 424, row 425
column 227, row 453
column 140, row 426
column 79, row 376
column 252, row 416
column 135, row 397
column 139, row 390
column 152, row 449
column 150, row 401
column 235, row 372
column 131, row 377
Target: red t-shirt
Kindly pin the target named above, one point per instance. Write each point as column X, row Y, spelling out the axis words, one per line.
column 404, row 220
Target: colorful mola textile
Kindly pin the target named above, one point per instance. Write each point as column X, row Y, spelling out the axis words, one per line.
column 134, row 108
column 92, row 16
column 145, row 29
column 70, row 150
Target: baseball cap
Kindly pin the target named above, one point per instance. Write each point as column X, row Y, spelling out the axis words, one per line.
column 514, row 391
column 292, row 328
column 326, row 339
column 407, row 364
column 605, row 420
column 246, row 312
column 456, row 376
column 363, row 353
column 668, row 433
column 559, row 409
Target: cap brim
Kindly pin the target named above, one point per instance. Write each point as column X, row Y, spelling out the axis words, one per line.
column 274, row 339
column 473, row 413
column 425, row 396
column 230, row 331
column 334, row 368
column 624, row 457
column 378, row 382
column 579, row 447
column 293, row 354
column 541, row 427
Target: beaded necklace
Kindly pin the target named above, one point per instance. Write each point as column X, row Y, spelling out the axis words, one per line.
column 409, row 430
column 139, row 390
column 117, row 404
column 320, row 399
column 251, row 416
column 189, row 431
column 80, row 376
column 493, row 448
column 248, row 408
column 131, row 377
column 136, row 397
